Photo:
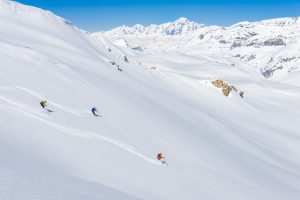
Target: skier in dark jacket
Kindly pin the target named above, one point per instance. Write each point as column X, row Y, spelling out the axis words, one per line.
column 94, row 110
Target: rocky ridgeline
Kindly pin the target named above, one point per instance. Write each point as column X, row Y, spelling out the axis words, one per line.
column 271, row 46
column 226, row 88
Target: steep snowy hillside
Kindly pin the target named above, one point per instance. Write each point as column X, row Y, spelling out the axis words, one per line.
column 245, row 145
column 271, row 46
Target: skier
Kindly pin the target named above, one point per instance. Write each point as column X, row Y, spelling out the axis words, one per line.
column 161, row 158
column 94, row 110
column 43, row 103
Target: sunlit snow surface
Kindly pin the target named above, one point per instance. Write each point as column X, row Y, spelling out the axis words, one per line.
column 217, row 147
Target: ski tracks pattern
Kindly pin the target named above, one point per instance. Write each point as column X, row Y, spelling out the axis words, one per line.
column 79, row 133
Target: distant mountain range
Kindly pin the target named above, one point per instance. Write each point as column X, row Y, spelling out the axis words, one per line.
column 271, row 46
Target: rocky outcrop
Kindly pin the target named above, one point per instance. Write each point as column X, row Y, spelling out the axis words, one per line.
column 218, row 83
column 274, row 42
column 226, row 88
column 241, row 94
column 126, row 59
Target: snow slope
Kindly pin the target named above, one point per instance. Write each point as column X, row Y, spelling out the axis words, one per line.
column 270, row 46
column 217, row 147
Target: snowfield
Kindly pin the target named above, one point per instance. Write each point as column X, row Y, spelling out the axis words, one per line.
column 154, row 100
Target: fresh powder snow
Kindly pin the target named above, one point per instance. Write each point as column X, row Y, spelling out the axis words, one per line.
column 157, row 90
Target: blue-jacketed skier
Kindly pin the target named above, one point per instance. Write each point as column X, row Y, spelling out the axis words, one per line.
column 94, row 110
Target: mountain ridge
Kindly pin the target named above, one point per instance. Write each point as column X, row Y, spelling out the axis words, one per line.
column 270, row 46
column 191, row 26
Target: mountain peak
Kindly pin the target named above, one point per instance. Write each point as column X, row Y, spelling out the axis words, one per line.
column 179, row 27
column 182, row 20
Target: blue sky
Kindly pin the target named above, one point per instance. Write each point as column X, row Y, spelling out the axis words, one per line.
column 95, row 15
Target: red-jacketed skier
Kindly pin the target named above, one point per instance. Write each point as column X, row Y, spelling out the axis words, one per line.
column 161, row 158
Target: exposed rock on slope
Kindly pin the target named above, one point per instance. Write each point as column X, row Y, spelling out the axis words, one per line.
column 226, row 88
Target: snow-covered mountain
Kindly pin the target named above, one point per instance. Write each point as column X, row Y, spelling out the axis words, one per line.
column 271, row 46
column 180, row 27
column 226, row 131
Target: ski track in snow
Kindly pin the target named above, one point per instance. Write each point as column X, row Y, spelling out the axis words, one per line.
column 64, row 108
column 76, row 132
